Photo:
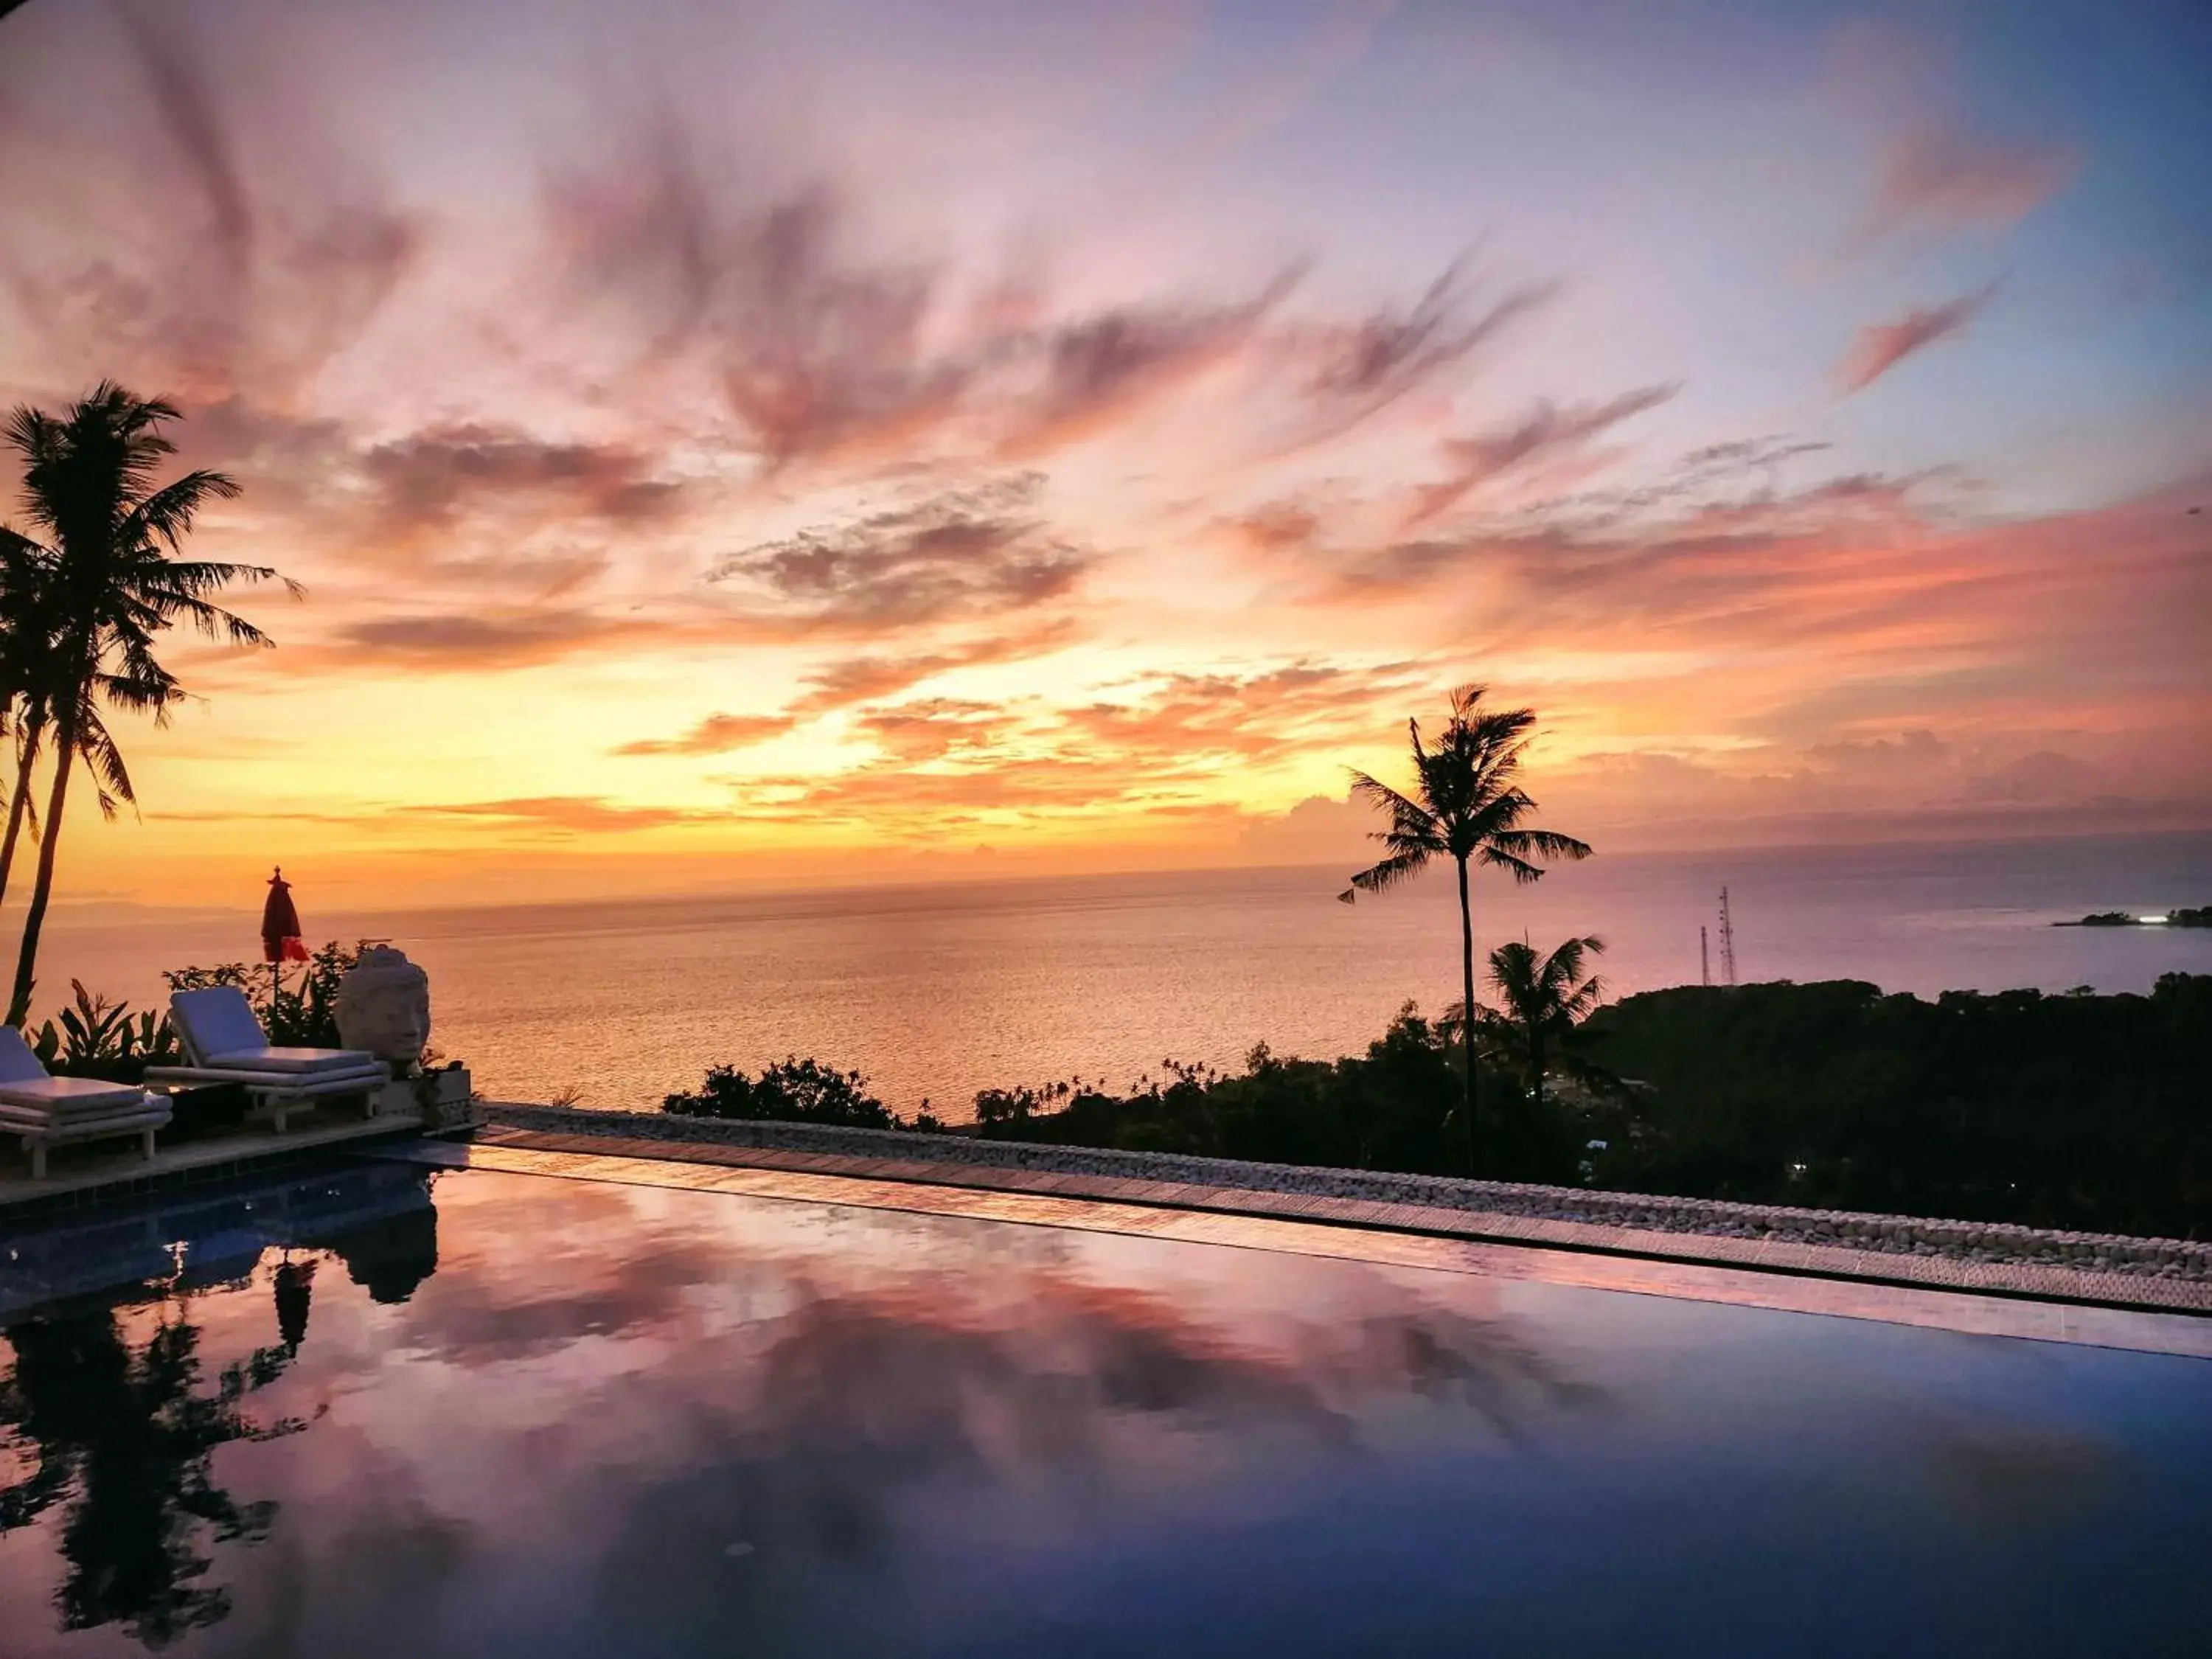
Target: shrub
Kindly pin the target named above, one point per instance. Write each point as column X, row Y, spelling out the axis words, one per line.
column 302, row 1014
column 792, row 1090
column 1392, row 1108
column 101, row 1038
column 2073, row 1111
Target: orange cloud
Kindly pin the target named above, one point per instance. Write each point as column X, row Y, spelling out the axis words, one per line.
column 717, row 734
column 575, row 814
column 842, row 683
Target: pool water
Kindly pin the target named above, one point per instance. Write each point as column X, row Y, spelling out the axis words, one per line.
column 389, row 1412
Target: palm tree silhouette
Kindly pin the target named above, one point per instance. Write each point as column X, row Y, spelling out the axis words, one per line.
column 22, row 713
column 1543, row 1000
column 122, row 1435
column 1467, row 806
column 106, row 586
column 28, row 684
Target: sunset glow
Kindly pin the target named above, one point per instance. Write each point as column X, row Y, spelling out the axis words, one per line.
column 844, row 441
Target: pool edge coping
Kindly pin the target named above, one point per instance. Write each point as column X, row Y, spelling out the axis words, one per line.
column 1965, row 1310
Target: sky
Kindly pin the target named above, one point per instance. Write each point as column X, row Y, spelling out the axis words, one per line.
column 725, row 443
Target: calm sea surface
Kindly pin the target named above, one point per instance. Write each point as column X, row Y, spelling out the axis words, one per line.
column 935, row 992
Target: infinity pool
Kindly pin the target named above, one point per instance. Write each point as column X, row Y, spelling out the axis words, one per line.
column 383, row 1412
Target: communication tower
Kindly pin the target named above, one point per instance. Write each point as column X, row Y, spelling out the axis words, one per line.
column 1727, row 941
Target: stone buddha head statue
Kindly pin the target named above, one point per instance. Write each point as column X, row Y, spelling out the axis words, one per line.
column 383, row 1005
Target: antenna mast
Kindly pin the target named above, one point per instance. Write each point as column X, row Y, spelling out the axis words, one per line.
column 1705, row 958
column 1727, row 941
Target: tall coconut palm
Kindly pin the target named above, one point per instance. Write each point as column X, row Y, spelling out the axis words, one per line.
column 27, row 686
column 23, row 709
column 1468, row 806
column 1542, row 1001
column 111, row 587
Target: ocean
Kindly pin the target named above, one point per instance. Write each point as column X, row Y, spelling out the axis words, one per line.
column 934, row 992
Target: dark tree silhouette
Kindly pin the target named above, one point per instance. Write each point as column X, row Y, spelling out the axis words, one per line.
column 106, row 587
column 125, row 1436
column 24, row 637
column 1467, row 805
column 295, row 1296
column 1542, row 1003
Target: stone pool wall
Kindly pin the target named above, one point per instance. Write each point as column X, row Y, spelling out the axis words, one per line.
column 1964, row 1240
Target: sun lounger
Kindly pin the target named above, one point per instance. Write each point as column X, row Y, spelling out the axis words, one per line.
column 224, row 1042
column 42, row 1111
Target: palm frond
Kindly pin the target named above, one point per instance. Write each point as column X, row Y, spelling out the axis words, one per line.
column 200, row 577
column 1388, row 873
column 97, row 748
column 1564, row 964
column 167, row 514
column 1542, row 843
column 1520, row 869
column 215, row 623
column 1412, row 825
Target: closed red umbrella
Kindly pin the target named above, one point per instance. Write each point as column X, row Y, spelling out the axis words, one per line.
column 280, row 931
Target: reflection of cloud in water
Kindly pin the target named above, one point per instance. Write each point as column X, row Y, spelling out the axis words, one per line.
column 635, row 1420
column 794, row 1299
column 833, row 1386
column 662, row 1415
column 869, row 1424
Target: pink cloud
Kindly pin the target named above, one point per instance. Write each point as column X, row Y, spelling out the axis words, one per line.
column 1548, row 430
column 1879, row 346
column 1948, row 179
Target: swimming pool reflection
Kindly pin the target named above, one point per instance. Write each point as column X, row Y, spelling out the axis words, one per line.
column 565, row 1417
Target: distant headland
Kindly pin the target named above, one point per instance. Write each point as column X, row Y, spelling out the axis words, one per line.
column 2199, row 918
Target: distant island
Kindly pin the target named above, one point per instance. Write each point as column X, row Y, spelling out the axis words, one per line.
column 2199, row 918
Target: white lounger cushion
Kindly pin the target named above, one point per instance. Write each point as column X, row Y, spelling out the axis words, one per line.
column 221, row 1034
column 42, row 1109
column 69, row 1096
column 292, row 1061
column 17, row 1063
column 218, row 1020
column 24, row 1085
column 300, row 1085
column 145, row 1112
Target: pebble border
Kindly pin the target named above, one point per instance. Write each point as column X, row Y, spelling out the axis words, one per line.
column 1994, row 1243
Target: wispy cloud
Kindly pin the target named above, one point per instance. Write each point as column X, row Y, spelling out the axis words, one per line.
column 426, row 479
column 958, row 554
column 930, row 728
column 820, row 354
column 1546, row 432
column 1939, row 178
column 486, row 639
column 1879, row 346
column 239, row 267
column 572, row 814
column 1362, row 368
column 847, row 681
column 1097, row 371
column 717, row 734
column 1153, row 750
